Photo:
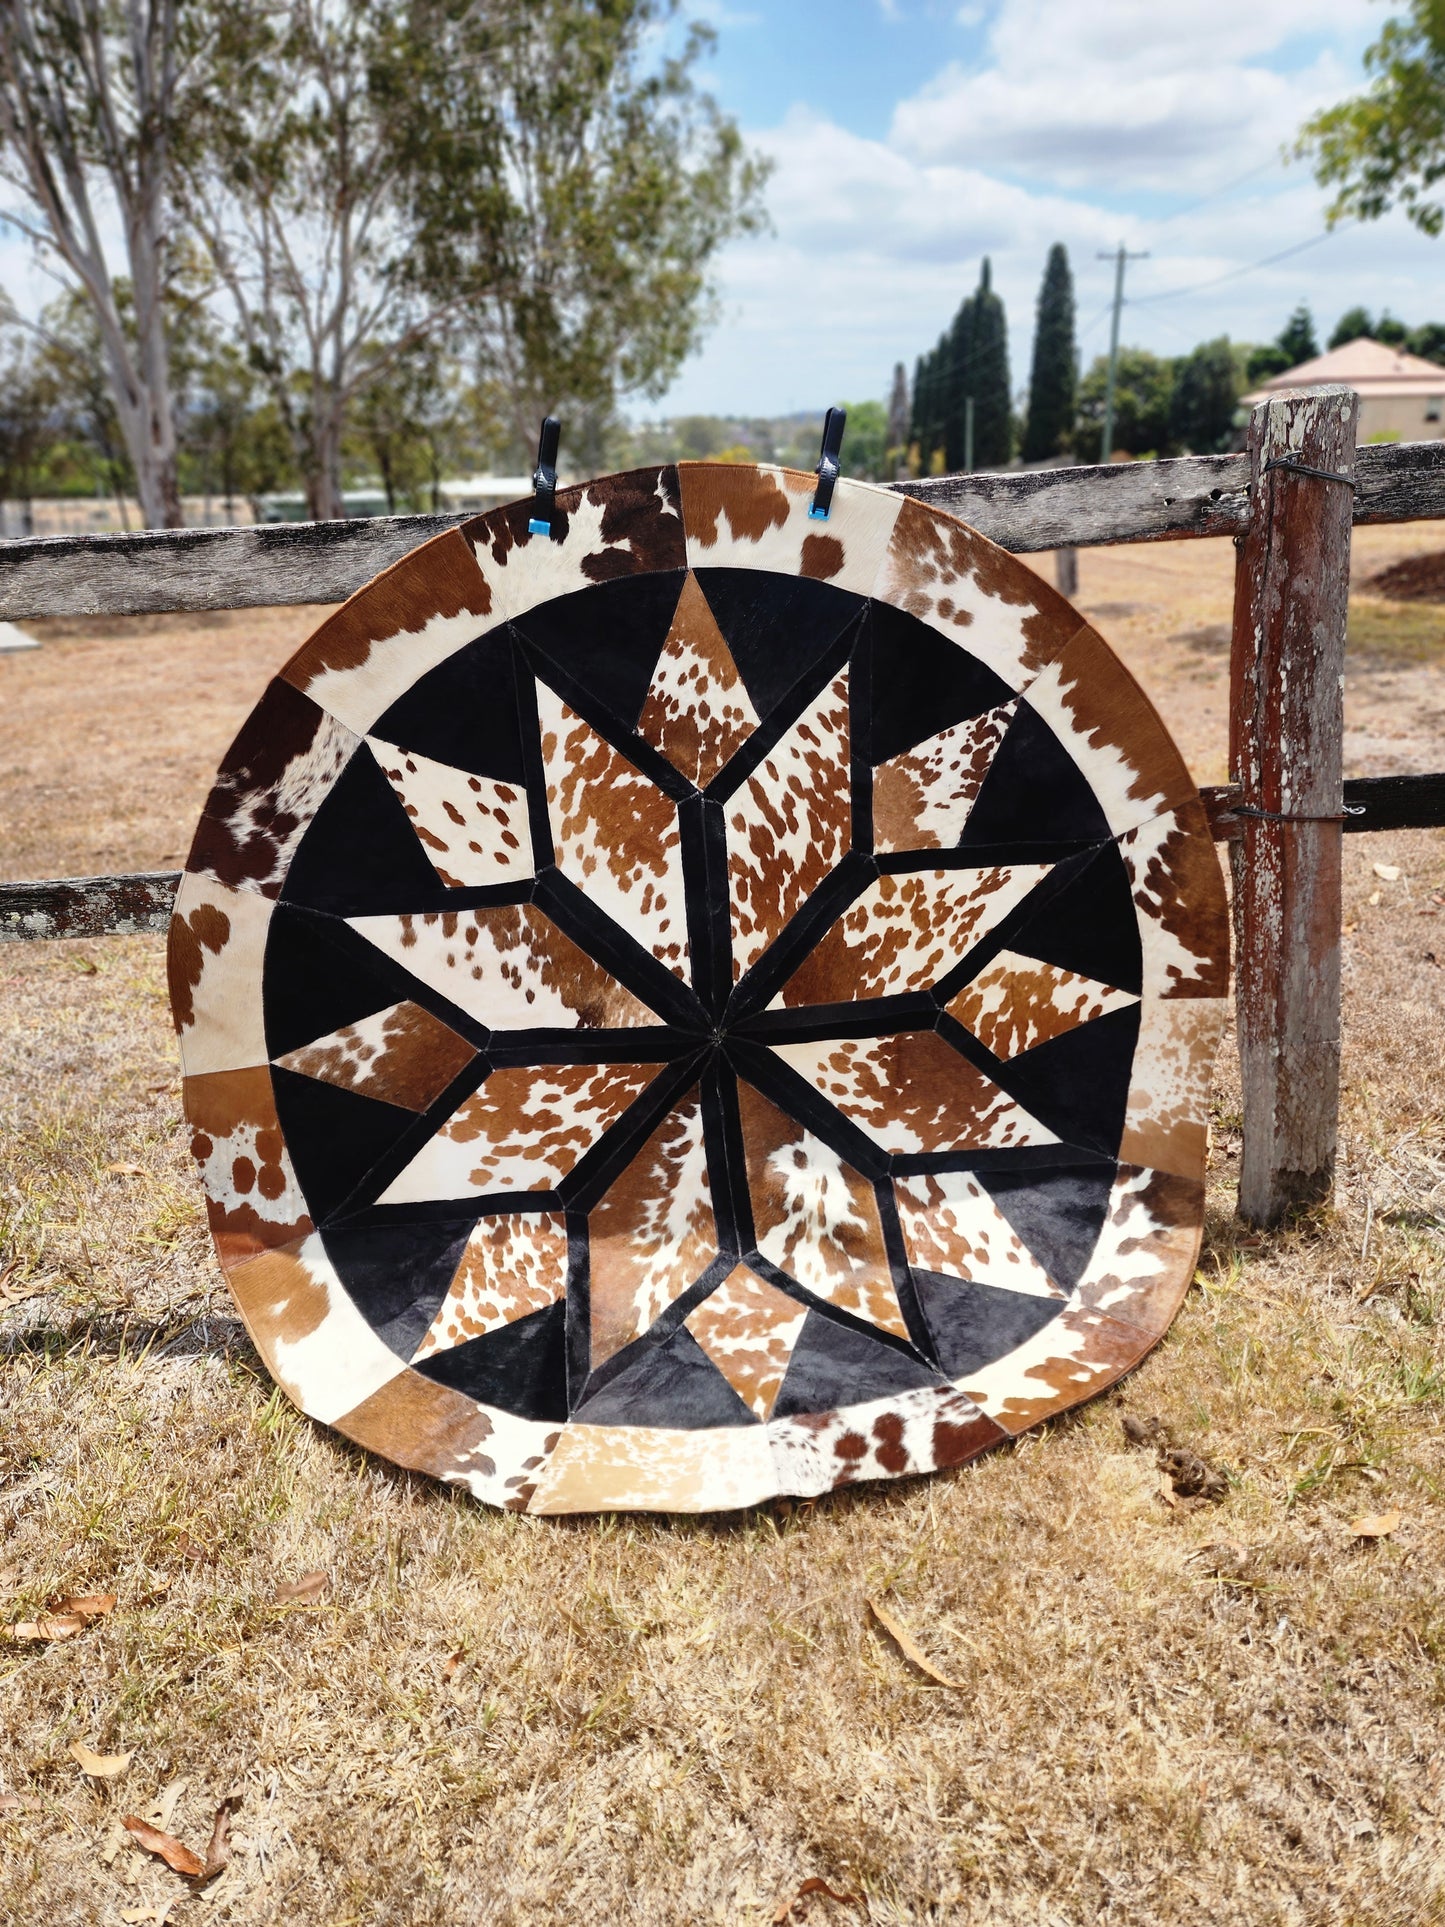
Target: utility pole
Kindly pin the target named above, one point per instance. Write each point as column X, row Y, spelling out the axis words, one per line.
column 968, row 434
column 1118, row 259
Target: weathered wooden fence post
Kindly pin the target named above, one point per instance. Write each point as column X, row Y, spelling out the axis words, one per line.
column 1286, row 754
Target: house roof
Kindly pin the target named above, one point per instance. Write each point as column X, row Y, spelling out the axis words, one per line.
column 1369, row 367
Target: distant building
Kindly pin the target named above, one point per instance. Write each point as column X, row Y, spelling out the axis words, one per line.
column 1402, row 397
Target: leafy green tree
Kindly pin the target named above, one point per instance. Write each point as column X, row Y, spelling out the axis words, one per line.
column 1262, row 363
column 1297, row 337
column 1385, row 147
column 370, row 175
column 1054, row 378
column 1353, row 323
column 865, row 442
column 1143, row 389
column 1392, row 332
column 1428, row 341
column 1205, row 397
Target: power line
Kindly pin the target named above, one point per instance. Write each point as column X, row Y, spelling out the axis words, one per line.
column 1196, row 287
column 1219, row 193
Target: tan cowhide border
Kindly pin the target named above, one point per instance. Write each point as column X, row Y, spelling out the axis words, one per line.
column 454, row 589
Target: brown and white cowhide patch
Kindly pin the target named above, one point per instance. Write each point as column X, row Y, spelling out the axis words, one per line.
column 402, row 1055
column 905, row 932
column 1016, row 1002
column 741, row 517
column 215, row 950
column 653, row 1233
column 473, row 828
column 510, row 966
column 913, row 1092
column 615, row 832
column 252, row 1197
column 974, row 592
column 748, row 1328
column 922, row 798
column 275, row 776
column 410, row 618
column 814, row 1216
column 789, row 824
column 511, row 1266
column 698, row 712
column 952, row 1226
column 522, row 1131
column 616, row 526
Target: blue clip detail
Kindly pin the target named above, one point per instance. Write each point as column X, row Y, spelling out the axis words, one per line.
column 544, row 477
column 828, row 469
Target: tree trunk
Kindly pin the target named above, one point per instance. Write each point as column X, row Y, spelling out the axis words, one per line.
column 323, row 480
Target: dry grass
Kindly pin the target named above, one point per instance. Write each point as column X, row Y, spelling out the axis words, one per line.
column 678, row 1721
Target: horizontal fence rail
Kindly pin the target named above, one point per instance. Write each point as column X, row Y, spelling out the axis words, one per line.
column 127, row 906
column 159, row 571
column 169, row 570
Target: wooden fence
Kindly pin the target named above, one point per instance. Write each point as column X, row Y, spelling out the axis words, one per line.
column 1289, row 501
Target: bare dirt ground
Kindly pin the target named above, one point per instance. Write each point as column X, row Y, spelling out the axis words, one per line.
column 1160, row 1714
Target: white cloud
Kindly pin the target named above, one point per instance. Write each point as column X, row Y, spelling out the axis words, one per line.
column 1128, row 95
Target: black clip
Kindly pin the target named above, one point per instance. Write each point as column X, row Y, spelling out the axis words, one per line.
column 544, row 477
column 828, row 470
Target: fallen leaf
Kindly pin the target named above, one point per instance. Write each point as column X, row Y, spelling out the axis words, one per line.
column 218, row 1854
column 454, row 1665
column 909, row 1646
column 13, row 1289
column 158, row 1915
column 10, row 1803
column 813, row 1885
column 1374, row 897
column 100, row 1766
column 1375, row 1525
column 165, row 1846
column 114, row 1841
column 48, row 1626
column 162, row 1810
column 87, row 1605
column 1222, row 1558
column 1388, row 872
column 126, row 1170
column 309, row 1586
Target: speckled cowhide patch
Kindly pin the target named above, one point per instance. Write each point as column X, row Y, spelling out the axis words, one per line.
column 700, row 1005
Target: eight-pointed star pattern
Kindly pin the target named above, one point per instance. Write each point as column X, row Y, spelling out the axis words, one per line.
column 704, row 1004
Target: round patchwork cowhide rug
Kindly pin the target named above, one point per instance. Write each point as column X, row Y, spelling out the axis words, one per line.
column 705, row 1004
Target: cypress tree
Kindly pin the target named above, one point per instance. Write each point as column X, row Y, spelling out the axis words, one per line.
column 989, row 376
column 1053, row 380
column 898, row 412
column 1297, row 337
column 915, row 413
column 959, row 362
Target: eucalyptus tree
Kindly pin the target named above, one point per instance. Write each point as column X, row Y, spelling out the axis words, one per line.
column 91, row 93
column 528, row 180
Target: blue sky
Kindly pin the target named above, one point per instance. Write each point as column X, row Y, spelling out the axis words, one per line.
column 911, row 137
